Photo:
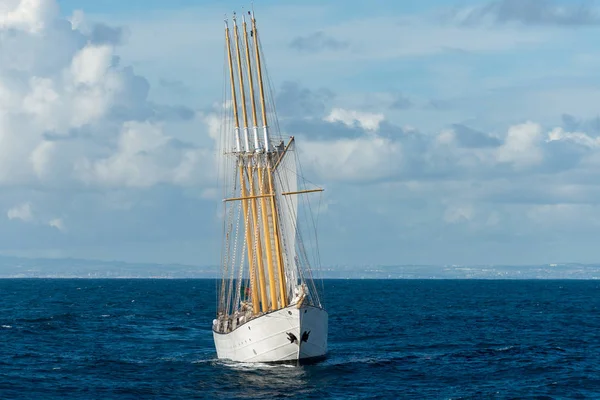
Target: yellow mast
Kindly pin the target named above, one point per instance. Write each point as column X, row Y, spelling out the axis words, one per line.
column 277, row 238
column 233, row 95
column 261, row 187
column 258, row 267
column 267, row 235
column 278, row 251
column 251, row 83
column 247, row 224
column 258, row 169
column 249, row 243
column 260, row 84
column 259, row 254
column 241, row 78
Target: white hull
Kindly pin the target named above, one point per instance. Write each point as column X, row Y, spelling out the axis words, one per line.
column 289, row 334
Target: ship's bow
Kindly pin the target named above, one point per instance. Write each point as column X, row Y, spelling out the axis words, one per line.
column 287, row 335
column 313, row 333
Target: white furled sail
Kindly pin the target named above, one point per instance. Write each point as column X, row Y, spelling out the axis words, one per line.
column 268, row 305
column 286, row 181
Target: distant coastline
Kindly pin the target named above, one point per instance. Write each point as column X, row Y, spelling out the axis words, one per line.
column 61, row 268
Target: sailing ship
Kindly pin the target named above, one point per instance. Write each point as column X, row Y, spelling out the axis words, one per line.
column 268, row 306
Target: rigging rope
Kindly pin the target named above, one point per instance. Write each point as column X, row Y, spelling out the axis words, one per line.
column 220, row 293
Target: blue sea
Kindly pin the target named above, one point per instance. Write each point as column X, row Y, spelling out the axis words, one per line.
column 388, row 339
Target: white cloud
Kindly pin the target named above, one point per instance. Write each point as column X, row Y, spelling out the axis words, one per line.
column 92, row 65
column 31, row 16
column 446, row 137
column 558, row 134
column 58, row 224
column 390, row 153
column 78, row 20
column 366, row 120
column 145, row 157
column 22, row 212
column 521, row 146
column 79, row 119
column 353, row 160
column 41, row 157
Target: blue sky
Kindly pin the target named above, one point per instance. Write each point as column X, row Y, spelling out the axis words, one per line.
column 456, row 132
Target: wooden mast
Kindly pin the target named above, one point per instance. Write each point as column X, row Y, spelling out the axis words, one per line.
column 241, row 79
column 269, row 172
column 249, row 243
column 266, row 305
column 260, row 85
column 259, row 253
column 251, row 84
column 247, row 223
column 267, row 236
column 233, row 94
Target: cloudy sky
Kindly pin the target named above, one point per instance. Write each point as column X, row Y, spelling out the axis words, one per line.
column 444, row 131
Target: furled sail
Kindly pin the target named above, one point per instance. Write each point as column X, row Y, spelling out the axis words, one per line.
column 287, row 182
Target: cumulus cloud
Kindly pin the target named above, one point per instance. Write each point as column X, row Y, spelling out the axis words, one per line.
column 349, row 145
column 144, row 157
column 22, row 212
column 580, row 138
column 57, row 223
column 362, row 159
column 366, row 120
column 97, row 33
column 521, row 146
column 32, row 16
column 71, row 114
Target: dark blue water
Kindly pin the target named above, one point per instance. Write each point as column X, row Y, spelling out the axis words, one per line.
column 140, row 339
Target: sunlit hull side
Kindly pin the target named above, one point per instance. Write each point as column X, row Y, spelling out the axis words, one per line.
column 285, row 335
